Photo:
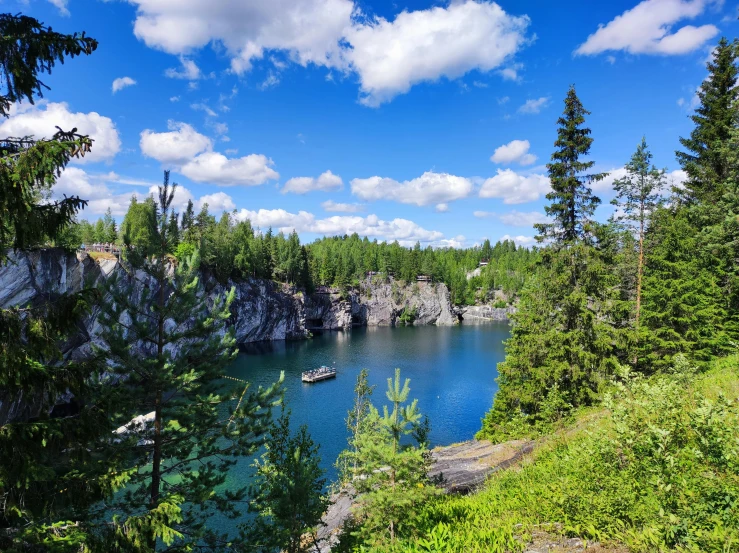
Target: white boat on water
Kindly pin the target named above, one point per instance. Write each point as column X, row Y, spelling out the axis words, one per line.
column 321, row 373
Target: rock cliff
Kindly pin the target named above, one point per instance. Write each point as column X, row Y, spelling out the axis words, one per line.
column 262, row 310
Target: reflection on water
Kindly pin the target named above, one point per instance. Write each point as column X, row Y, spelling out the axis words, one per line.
column 452, row 372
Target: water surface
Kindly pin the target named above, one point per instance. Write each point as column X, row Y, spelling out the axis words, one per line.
column 452, row 372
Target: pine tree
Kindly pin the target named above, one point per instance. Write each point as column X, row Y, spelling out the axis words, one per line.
column 288, row 493
column 572, row 202
column 637, row 196
column 167, row 344
column 685, row 308
column 392, row 478
column 356, row 421
column 705, row 159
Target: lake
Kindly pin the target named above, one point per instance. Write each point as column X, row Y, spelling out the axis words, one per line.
column 452, row 372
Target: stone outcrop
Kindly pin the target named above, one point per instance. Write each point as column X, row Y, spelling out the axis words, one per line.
column 380, row 302
column 472, row 313
column 460, row 468
column 262, row 310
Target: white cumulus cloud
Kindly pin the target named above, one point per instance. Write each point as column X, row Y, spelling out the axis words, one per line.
column 534, row 106
column 520, row 240
column 180, row 144
column 648, row 29
column 337, row 207
column 424, row 45
column 516, row 151
column 217, row 203
column 388, row 56
column 122, row 82
column 429, row 188
column 41, row 120
column 405, row 231
column 513, row 188
column 326, row 182
column 215, row 168
column 191, row 154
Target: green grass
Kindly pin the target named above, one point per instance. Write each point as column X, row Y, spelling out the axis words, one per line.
column 656, row 468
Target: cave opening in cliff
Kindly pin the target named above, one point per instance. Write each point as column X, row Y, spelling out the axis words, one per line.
column 314, row 323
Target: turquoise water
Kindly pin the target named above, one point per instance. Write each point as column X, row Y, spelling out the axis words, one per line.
column 452, row 372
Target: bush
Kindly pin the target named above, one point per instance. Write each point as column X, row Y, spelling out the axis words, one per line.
column 407, row 316
column 500, row 304
column 656, row 470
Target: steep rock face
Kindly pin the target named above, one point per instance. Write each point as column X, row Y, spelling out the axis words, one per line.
column 386, row 301
column 379, row 302
column 261, row 311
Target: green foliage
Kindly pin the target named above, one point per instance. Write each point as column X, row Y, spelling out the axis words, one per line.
column 657, row 470
column 29, row 48
column 287, row 494
column 562, row 348
column 390, row 476
column 50, row 455
column 408, row 315
column 356, row 424
column 167, row 346
column 705, row 160
column 140, row 226
column 341, row 260
column 572, row 202
column 684, row 310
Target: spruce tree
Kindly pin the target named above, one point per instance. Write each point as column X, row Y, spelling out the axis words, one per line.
column 561, row 350
column 50, row 468
column 287, row 495
column 637, row 196
column 167, row 346
column 572, row 202
column 704, row 159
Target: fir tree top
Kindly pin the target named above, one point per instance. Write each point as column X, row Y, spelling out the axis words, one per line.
column 572, row 200
column 703, row 160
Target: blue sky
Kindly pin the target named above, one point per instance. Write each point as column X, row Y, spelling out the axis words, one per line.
column 414, row 120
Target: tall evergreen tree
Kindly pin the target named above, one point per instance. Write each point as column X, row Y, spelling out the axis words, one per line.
column 704, row 159
column 637, row 196
column 572, row 202
column 167, row 345
column 561, row 350
column 50, row 472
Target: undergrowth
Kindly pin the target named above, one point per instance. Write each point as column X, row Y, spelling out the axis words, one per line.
column 656, row 470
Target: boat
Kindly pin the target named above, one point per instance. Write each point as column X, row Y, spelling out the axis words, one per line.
column 321, row 373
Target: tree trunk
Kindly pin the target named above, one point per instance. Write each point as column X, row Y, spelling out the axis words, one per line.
column 156, row 476
column 639, row 271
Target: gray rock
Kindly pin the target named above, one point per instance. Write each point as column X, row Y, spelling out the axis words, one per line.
column 472, row 313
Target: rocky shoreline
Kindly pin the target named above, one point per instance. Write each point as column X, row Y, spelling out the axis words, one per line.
column 262, row 310
column 461, row 468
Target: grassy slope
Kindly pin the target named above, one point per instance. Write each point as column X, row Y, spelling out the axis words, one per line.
column 655, row 469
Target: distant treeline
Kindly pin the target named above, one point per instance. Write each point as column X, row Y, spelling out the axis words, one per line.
column 231, row 248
